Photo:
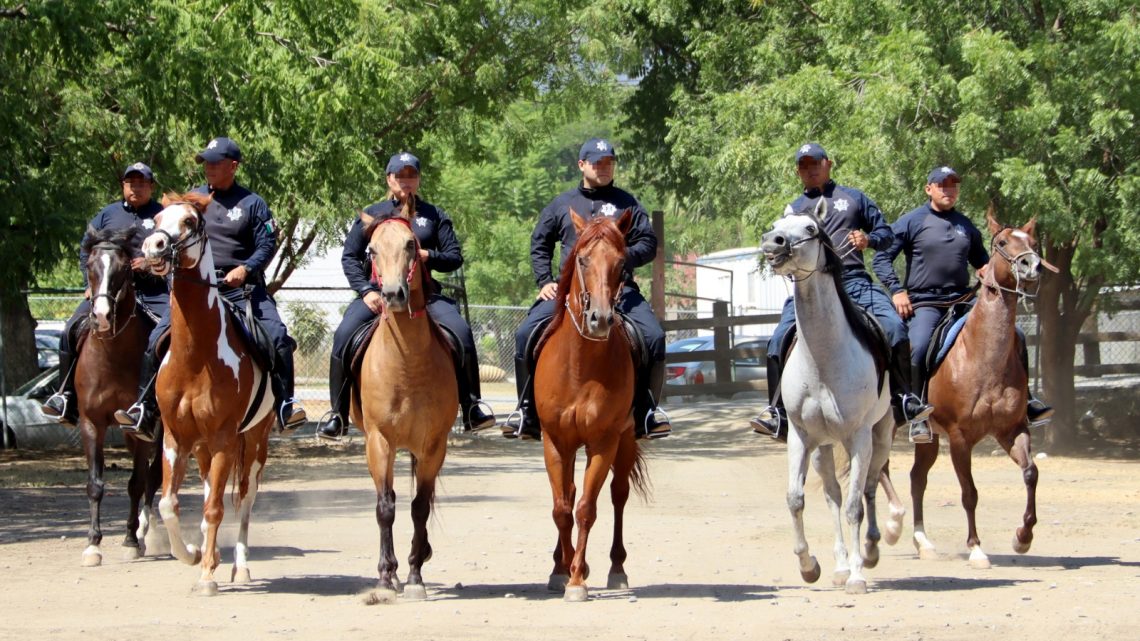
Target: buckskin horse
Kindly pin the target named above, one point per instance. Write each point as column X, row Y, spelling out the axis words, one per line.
column 106, row 378
column 406, row 397
column 584, row 381
column 835, row 393
column 207, row 387
column 980, row 388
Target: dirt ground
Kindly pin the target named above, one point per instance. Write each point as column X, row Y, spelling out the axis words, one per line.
column 710, row 556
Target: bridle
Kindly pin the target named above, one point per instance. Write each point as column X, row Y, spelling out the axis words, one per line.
column 411, row 271
column 791, row 247
column 196, row 237
column 1017, row 290
column 112, row 301
column 584, row 301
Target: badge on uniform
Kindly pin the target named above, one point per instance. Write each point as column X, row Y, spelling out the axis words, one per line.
column 235, row 213
column 961, row 231
column 608, row 209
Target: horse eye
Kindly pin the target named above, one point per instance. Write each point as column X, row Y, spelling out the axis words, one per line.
column 1002, row 243
column 811, row 230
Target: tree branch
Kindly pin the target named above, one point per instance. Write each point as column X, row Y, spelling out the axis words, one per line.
column 807, row 7
column 15, row 13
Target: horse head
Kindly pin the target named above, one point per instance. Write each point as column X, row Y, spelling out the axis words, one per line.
column 395, row 259
column 179, row 233
column 1019, row 261
column 109, row 274
column 596, row 265
column 789, row 247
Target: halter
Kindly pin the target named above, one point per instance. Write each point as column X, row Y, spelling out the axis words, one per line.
column 112, row 302
column 411, row 271
column 197, row 236
column 815, row 236
column 1012, row 260
column 584, row 302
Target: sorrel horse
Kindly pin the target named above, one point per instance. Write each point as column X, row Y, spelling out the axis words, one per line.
column 205, row 388
column 980, row 388
column 107, row 378
column 406, row 397
column 583, row 386
column 835, row 394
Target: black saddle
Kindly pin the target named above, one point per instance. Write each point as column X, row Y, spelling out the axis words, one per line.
column 353, row 354
column 257, row 340
column 538, row 337
column 943, row 337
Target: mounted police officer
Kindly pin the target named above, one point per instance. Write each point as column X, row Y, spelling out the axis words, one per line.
column 940, row 244
column 854, row 223
column 439, row 251
column 594, row 196
column 243, row 241
column 135, row 210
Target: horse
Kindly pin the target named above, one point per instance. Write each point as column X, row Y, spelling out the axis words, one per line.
column 584, row 385
column 107, row 378
column 406, row 396
column 981, row 387
column 206, row 389
column 835, row 392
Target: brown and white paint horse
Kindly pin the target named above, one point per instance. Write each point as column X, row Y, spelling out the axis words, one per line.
column 206, row 385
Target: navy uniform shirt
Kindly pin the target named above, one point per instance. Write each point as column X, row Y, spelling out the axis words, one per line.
column 939, row 246
column 120, row 215
column 848, row 209
column 555, row 225
column 244, row 234
column 433, row 230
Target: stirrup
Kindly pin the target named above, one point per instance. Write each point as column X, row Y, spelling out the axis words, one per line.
column 297, row 416
column 326, row 418
column 762, row 424
column 922, row 415
column 513, row 431
column 132, row 426
column 488, row 423
column 661, row 429
column 920, row 433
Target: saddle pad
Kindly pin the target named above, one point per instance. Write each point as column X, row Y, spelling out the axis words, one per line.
column 256, row 339
column 944, row 336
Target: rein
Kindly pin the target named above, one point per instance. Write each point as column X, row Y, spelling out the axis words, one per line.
column 991, row 280
column 584, row 302
column 411, row 273
column 793, row 278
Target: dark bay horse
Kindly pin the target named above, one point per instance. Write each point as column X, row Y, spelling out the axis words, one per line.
column 107, row 378
column 206, row 389
column 406, row 397
column 980, row 388
column 583, row 386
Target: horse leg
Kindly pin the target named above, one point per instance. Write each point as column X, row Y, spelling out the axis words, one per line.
column 824, row 464
column 213, row 509
column 560, row 471
column 624, row 465
column 960, row 455
column 797, row 474
column 585, row 513
column 381, row 459
column 93, row 448
column 427, row 470
column 1019, row 451
column 173, row 473
column 924, row 457
column 134, row 541
column 881, row 450
column 153, row 483
column 860, row 450
column 252, row 467
column 893, row 529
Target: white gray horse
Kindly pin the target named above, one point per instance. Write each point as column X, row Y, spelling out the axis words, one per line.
column 834, row 392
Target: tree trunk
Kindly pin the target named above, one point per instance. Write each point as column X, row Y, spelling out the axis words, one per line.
column 17, row 331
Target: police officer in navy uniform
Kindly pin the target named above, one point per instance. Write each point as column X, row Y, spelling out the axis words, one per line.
column 594, row 196
column 854, row 223
column 243, row 241
column 439, row 251
column 135, row 210
column 940, row 244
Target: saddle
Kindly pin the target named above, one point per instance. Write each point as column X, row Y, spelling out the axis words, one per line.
column 945, row 333
column 353, row 354
column 880, row 348
column 539, row 335
column 253, row 334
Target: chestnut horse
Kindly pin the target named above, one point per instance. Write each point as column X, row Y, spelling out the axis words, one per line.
column 107, row 378
column 205, row 389
column 406, row 397
column 583, row 387
column 980, row 388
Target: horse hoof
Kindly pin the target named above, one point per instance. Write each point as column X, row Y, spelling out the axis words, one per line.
column 386, row 596
column 415, row 592
column 240, row 575
column 892, row 531
column 557, row 582
column 575, row 594
column 92, row 557
column 856, row 587
column 839, row 579
column 928, row 554
column 132, row 554
column 812, row 575
column 870, row 555
column 206, row 588
column 617, row 582
column 1019, row 547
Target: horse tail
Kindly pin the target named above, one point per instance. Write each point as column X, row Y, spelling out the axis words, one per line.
column 236, row 465
column 639, row 474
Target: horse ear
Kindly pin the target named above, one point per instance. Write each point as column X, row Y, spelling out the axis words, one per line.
column 365, row 219
column 1030, row 227
column 625, row 221
column 992, row 222
column 821, row 209
column 579, row 222
column 169, row 199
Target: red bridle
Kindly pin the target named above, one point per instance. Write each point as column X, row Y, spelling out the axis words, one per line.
column 411, row 271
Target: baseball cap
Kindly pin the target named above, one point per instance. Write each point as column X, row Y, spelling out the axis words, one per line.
column 138, row 168
column 595, row 149
column 401, row 160
column 811, row 150
column 940, row 174
column 217, row 149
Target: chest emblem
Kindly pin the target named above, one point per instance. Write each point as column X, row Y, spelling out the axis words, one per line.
column 147, row 223
column 421, row 222
column 608, row 210
column 235, row 214
column 842, row 205
column 961, row 231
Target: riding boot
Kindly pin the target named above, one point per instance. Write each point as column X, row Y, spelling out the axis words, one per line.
column 907, row 407
column 650, row 421
column 773, row 419
column 141, row 418
column 62, row 405
column 290, row 413
column 1038, row 413
column 919, row 430
column 470, row 402
column 523, row 422
column 334, row 424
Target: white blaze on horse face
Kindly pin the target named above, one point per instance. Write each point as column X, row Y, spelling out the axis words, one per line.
column 1017, row 233
column 102, row 305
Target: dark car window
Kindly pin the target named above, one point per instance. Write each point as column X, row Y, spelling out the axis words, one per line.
column 686, row 345
column 752, row 361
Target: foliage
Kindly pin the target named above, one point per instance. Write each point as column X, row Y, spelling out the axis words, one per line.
column 307, row 325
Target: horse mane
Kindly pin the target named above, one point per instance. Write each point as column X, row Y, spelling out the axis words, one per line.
column 123, row 239
column 200, row 202
column 595, row 230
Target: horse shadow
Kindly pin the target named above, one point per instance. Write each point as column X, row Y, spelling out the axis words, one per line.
column 945, row 584
column 723, row 593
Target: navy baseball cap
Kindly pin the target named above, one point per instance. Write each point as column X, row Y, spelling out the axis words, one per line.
column 942, row 173
column 595, row 149
column 218, row 149
column 140, row 169
column 811, row 150
column 401, row 160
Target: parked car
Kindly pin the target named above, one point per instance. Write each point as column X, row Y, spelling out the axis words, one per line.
column 47, row 347
column 26, row 426
column 699, row 372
